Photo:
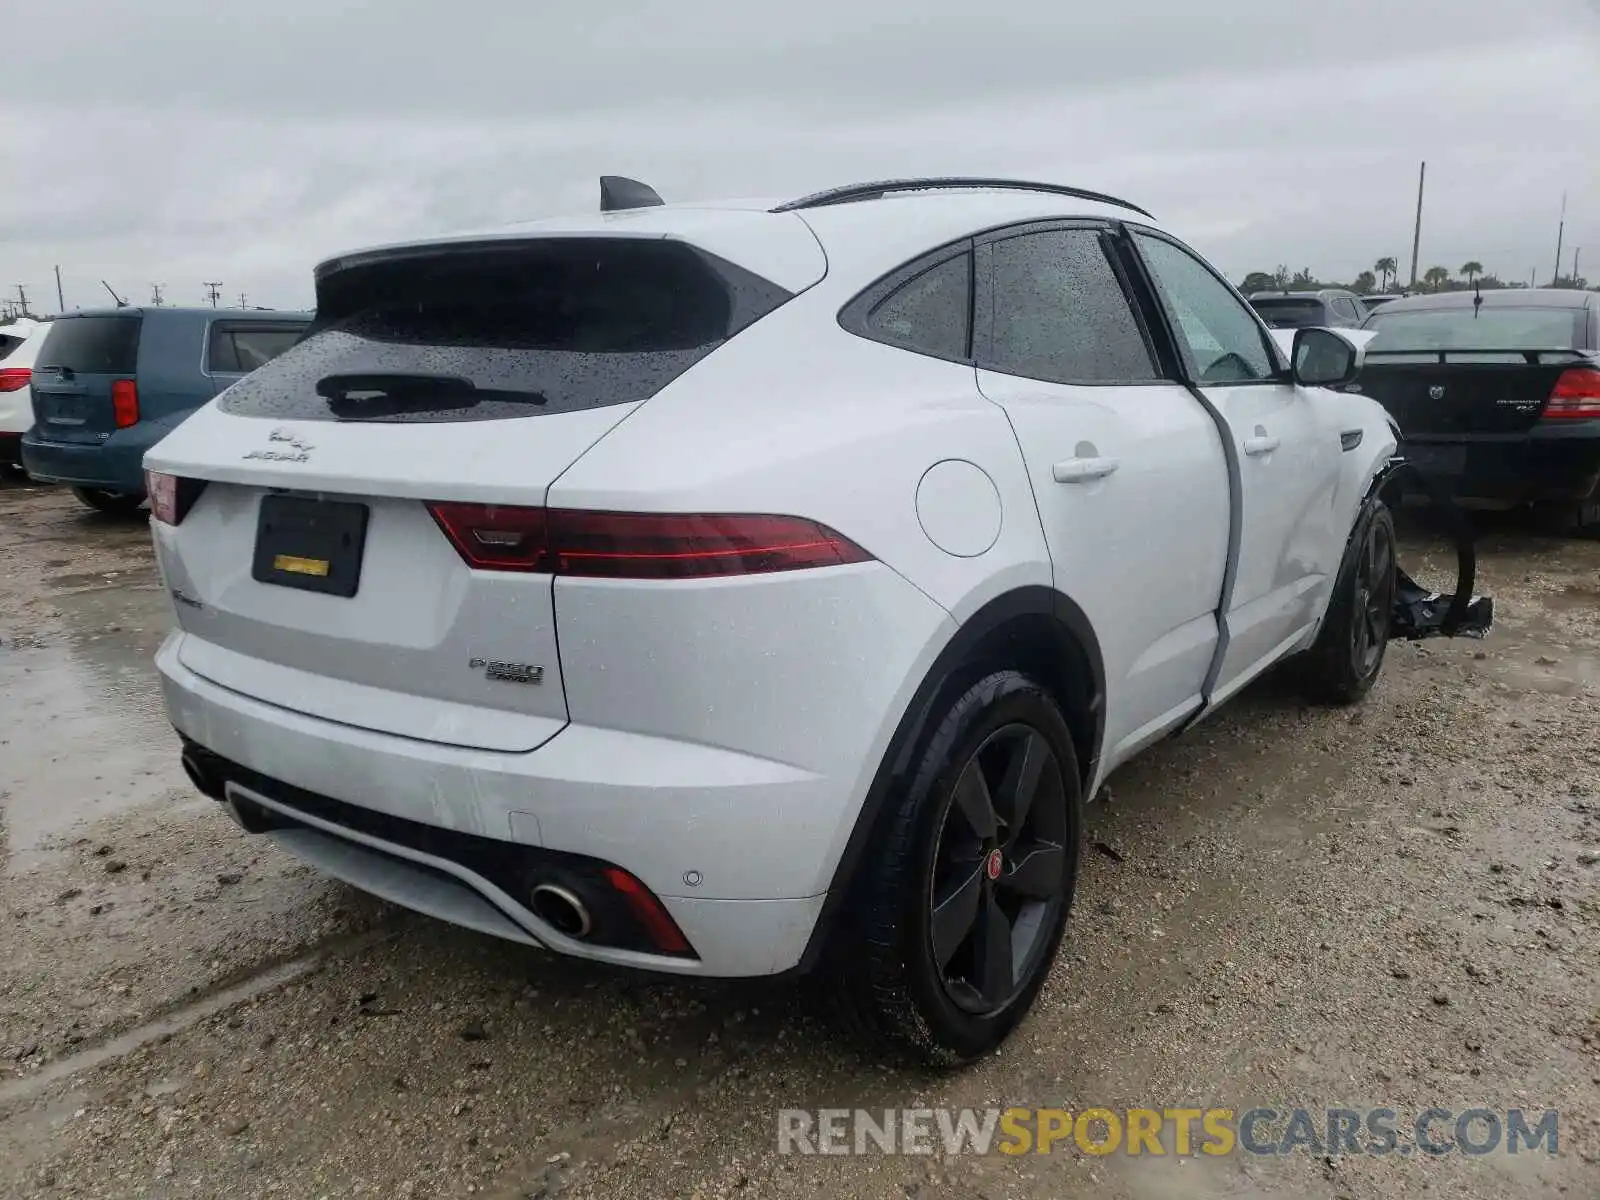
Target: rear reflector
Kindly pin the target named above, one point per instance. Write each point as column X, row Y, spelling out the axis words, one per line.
column 14, row 379
column 171, row 496
column 658, row 924
column 124, row 403
column 611, row 545
column 1576, row 395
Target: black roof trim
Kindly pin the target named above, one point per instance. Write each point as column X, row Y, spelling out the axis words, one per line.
column 852, row 192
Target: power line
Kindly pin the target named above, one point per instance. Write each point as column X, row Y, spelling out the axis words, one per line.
column 213, row 291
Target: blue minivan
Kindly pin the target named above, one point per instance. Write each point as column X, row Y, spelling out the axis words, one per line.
column 109, row 384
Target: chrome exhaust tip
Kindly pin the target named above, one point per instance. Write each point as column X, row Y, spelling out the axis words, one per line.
column 562, row 910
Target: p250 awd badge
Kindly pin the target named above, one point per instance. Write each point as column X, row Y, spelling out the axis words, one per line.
column 507, row 672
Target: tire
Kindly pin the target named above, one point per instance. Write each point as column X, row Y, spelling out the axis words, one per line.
column 940, row 1005
column 1344, row 663
column 1577, row 519
column 113, row 503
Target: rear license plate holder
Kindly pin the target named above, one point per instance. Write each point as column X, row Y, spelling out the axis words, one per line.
column 63, row 410
column 1438, row 460
column 312, row 545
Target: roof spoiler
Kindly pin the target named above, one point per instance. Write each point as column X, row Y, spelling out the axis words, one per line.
column 618, row 192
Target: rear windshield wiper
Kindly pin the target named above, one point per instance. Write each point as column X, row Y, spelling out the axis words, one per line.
column 372, row 396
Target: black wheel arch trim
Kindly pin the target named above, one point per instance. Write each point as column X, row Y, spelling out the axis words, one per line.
column 1032, row 601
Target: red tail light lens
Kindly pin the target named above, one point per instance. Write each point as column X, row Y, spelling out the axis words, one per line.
column 14, row 379
column 125, row 403
column 673, row 546
column 171, row 496
column 495, row 538
column 1576, row 395
column 658, row 924
column 609, row 545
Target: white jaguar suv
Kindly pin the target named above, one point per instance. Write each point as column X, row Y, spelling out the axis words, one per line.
column 740, row 588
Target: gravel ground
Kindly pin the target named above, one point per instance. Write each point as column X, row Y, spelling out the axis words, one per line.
column 1391, row 906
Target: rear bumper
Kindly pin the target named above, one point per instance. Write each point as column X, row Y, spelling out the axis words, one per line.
column 16, row 414
column 668, row 812
column 115, row 464
column 1551, row 462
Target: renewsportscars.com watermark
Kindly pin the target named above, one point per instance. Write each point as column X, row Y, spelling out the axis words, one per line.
column 1181, row 1132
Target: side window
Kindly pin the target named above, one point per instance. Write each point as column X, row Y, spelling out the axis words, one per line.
column 238, row 350
column 261, row 344
column 1346, row 308
column 1219, row 338
column 221, row 356
column 928, row 313
column 1060, row 313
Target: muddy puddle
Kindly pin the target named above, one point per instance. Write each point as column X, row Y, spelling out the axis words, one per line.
column 86, row 735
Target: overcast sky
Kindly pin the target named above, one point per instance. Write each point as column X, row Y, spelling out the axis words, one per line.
column 177, row 141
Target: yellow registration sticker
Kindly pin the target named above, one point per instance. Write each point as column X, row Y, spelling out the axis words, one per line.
column 300, row 566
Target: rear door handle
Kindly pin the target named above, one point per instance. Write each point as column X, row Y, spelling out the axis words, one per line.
column 1083, row 470
column 1261, row 443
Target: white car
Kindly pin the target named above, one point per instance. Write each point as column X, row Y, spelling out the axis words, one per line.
column 733, row 589
column 19, row 346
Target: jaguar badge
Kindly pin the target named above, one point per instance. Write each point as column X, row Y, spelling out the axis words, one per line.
column 296, row 450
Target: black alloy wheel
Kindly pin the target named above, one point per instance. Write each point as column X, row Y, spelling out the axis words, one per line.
column 1347, row 657
column 999, row 867
column 1373, row 607
column 954, row 916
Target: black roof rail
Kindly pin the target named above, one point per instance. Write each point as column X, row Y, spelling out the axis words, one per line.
column 852, row 192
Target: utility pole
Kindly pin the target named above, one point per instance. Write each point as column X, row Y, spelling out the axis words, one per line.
column 1577, row 251
column 242, row 300
column 213, row 291
column 22, row 302
column 1561, row 231
column 156, row 299
column 1416, row 236
column 61, row 303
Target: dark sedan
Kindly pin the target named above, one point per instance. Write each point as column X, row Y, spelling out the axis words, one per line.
column 1497, row 395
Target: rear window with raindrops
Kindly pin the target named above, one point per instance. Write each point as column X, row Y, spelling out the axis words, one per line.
column 505, row 329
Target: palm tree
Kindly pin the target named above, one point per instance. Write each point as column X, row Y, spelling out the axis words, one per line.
column 1472, row 270
column 1435, row 277
column 1385, row 267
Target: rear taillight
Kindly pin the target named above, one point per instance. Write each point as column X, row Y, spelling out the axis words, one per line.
column 495, row 538
column 171, row 496
column 1576, row 395
column 14, row 379
column 613, row 545
column 124, row 403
